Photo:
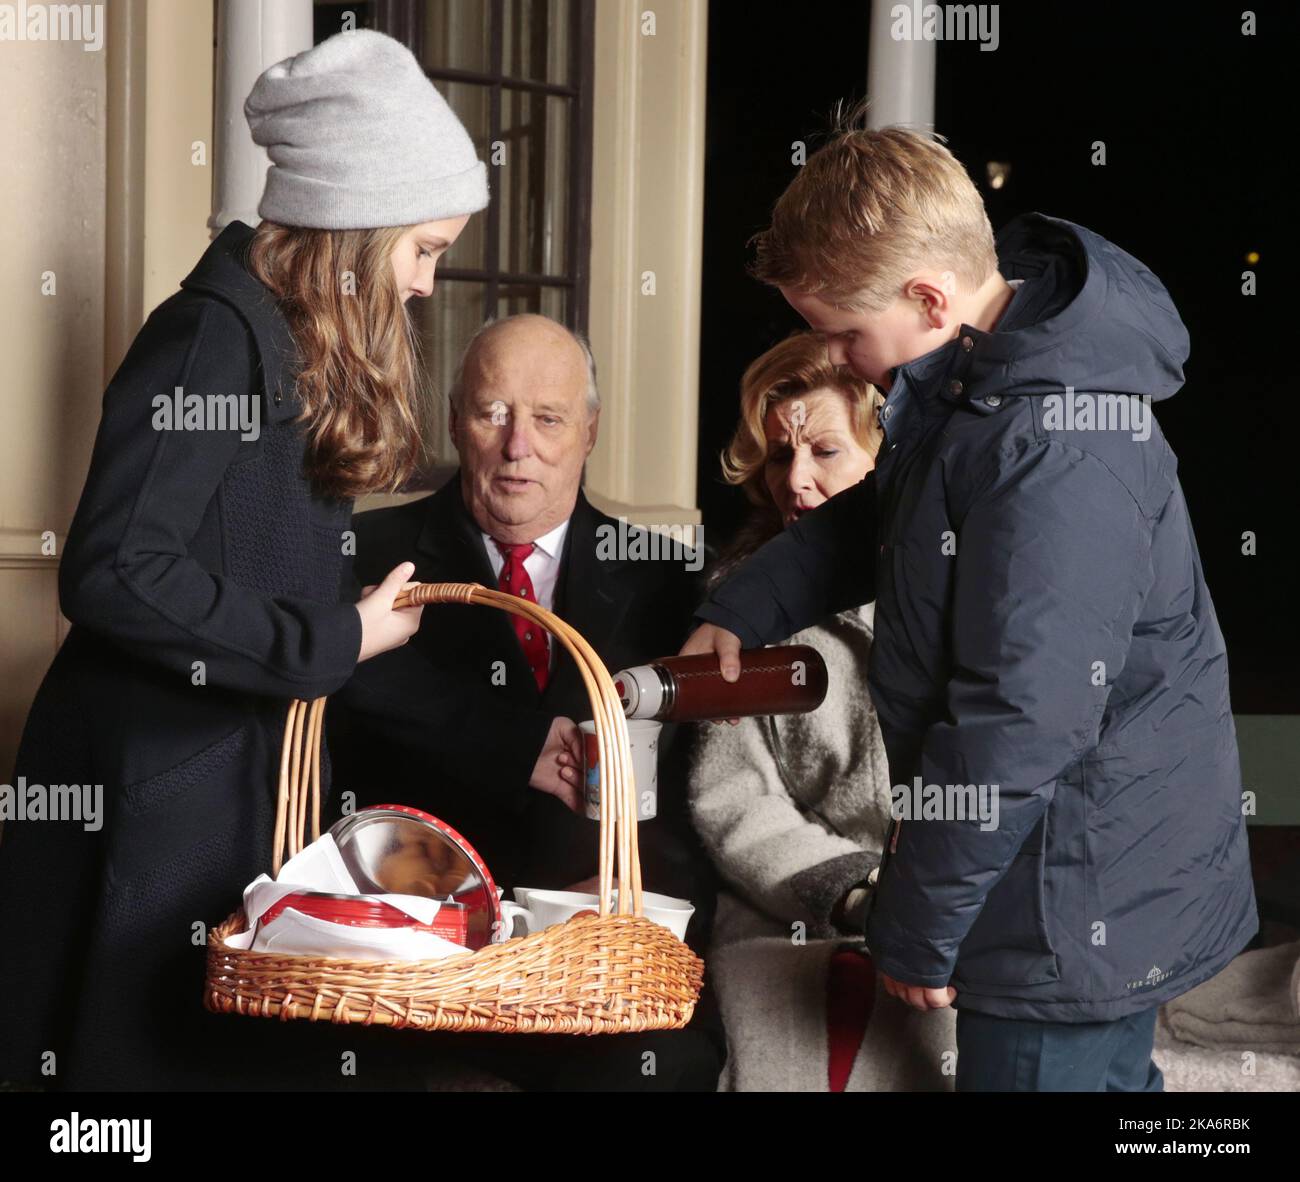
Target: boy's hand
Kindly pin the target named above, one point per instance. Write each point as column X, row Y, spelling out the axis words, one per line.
column 917, row 996
column 709, row 638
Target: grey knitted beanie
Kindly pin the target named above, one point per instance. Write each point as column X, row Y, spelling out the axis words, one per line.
column 359, row 137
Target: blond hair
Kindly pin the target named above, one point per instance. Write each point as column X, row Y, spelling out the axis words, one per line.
column 799, row 365
column 869, row 209
column 361, row 384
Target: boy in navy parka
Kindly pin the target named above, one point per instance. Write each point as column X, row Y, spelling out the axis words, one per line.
column 1045, row 640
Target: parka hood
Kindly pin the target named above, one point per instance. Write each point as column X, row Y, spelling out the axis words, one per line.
column 1088, row 315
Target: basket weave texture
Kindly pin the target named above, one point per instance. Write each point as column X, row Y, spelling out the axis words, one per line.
column 609, row 973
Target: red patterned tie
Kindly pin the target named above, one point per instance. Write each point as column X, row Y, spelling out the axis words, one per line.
column 514, row 580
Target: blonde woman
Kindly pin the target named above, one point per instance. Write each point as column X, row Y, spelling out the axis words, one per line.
column 794, row 810
column 202, row 577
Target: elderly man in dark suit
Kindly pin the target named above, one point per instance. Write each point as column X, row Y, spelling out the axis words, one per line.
column 478, row 723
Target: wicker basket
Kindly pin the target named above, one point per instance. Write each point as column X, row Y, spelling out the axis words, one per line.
column 610, row 973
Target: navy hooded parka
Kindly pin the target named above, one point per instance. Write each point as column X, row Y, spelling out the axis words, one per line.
column 1043, row 629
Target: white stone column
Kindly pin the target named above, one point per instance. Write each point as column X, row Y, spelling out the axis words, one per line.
column 251, row 35
column 900, row 74
column 647, row 216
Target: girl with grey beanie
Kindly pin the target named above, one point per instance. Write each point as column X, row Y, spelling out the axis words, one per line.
column 372, row 179
column 205, row 575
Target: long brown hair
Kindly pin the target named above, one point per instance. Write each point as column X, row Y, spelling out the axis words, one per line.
column 362, row 383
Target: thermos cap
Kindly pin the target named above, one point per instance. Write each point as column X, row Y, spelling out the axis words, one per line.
column 641, row 691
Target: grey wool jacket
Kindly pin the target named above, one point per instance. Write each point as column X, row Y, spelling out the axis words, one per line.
column 794, row 809
column 1045, row 630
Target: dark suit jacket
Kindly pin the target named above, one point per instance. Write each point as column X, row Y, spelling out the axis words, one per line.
column 430, row 725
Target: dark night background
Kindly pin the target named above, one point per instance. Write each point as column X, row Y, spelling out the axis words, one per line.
column 1192, row 115
column 1193, row 182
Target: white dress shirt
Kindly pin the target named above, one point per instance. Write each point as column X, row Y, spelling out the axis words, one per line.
column 542, row 565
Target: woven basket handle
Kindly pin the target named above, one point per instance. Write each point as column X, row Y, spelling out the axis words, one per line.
column 300, row 754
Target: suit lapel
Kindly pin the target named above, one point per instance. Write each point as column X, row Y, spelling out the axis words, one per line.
column 449, row 546
column 588, row 597
column 589, row 593
column 450, row 550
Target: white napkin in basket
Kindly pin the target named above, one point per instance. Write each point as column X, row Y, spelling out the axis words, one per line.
column 319, row 867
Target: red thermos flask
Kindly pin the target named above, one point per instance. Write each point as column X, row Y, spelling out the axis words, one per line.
column 783, row 679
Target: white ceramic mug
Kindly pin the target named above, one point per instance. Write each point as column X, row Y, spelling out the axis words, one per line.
column 643, row 739
column 540, row 909
column 674, row 914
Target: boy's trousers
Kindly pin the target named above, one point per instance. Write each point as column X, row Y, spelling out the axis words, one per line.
column 1018, row 1055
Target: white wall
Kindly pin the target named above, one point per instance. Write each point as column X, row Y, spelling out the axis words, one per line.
column 51, row 221
column 53, row 210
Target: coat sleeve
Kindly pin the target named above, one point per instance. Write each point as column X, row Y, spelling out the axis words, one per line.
column 822, row 564
column 1047, row 586
column 759, row 840
column 127, row 573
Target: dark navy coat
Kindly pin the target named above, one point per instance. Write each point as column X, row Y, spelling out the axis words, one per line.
column 1043, row 626
column 188, row 546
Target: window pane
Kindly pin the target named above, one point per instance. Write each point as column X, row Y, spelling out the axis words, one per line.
column 470, row 102
column 512, row 300
column 555, row 303
column 455, row 35
column 536, row 40
column 445, row 322
column 554, row 245
column 328, row 17
column 534, row 183
column 548, row 301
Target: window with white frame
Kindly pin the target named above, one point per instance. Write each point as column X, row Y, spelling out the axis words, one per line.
column 518, row 74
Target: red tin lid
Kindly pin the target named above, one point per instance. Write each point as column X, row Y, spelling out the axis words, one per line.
column 403, row 850
column 361, row 912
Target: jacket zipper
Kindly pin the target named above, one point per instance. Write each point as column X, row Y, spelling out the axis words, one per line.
column 891, row 848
